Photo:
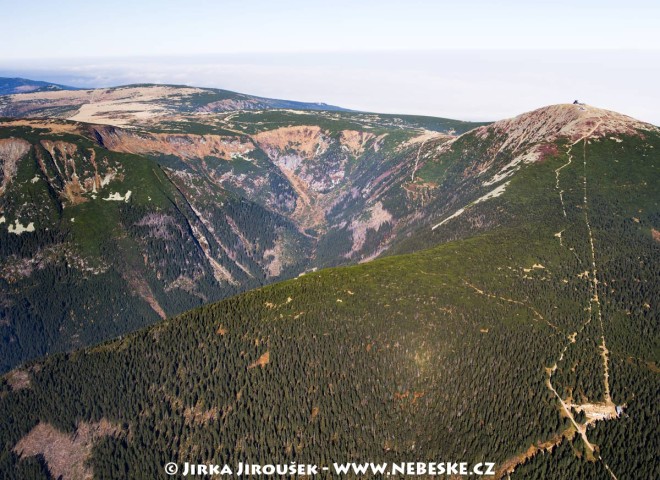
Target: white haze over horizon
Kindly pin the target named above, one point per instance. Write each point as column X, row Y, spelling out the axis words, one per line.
column 470, row 60
column 463, row 84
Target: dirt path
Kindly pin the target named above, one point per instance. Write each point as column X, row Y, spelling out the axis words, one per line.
column 570, row 160
column 610, row 471
column 536, row 313
column 605, row 410
column 557, row 171
column 581, row 429
column 594, row 281
column 508, row 467
column 594, row 412
column 226, row 122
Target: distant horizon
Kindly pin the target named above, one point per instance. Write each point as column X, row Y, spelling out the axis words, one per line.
column 271, row 97
column 464, row 84
column 476, row 60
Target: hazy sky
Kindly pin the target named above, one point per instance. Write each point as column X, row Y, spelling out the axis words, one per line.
column 465, row 59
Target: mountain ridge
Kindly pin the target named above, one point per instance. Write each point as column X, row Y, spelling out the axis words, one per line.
column 128, row 104
column 17, row 85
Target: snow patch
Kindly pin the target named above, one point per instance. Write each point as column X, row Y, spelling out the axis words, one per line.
column 117, row 197
column 513, row 166
column 35, row 179
column 107, row 179
column 496, row 192
column 534, row 267
column 239, row 156
column 18, row 228
column 456, row 214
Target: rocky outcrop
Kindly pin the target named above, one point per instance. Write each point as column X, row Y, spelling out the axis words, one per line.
column 11, row 151
column 354, row 141
column 291, row 145
column 372, row 219
column 184, row 146
column 231, row 104
column 74, row 173
column 571, row 121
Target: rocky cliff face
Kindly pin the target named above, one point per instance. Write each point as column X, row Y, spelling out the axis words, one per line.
column 184, row 146
column 301, row 172
column 121, row 239
column 11, row 151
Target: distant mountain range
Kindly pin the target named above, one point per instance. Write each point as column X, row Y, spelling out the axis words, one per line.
column 392, row 287
column 10, row 86
column 143, row 100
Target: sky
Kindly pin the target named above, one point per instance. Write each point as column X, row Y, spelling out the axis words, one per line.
column 474, row 60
